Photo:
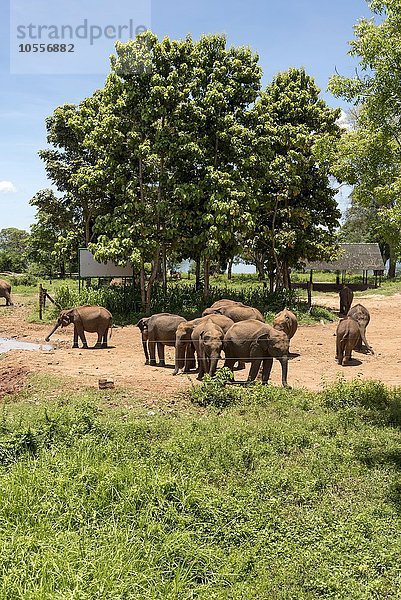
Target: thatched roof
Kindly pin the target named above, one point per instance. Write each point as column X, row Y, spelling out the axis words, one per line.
column 353, row 257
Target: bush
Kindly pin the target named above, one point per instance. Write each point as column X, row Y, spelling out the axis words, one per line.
column 214, row 392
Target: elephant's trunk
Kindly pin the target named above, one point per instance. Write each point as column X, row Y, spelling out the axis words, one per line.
column 57, row 325
column 284, row 370
column 213, row 366
column 145, row 347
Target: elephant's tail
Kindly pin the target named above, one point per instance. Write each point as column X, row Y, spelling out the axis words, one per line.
column 111, row 328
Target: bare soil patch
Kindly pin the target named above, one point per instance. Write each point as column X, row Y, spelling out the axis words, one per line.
column 313, row 347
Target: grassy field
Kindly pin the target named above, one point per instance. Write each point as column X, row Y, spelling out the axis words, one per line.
column 235, row 493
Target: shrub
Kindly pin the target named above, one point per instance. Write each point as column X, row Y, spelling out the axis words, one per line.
column 214, row 392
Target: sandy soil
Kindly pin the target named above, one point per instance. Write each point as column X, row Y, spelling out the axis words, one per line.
column 312, row 365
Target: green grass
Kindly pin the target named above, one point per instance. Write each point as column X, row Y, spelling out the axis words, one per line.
column 282, row 494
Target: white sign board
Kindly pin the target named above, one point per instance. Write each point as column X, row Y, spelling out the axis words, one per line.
column 89, row 267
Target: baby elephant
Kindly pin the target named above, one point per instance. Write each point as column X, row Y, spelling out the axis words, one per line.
column 346, row 297
column 361, row 315
column 207, row 337
column 94, row 319
column 159, row 331
column 5, row 292
column 348, row 337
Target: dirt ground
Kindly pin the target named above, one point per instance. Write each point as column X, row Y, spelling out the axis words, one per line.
column 313, row 348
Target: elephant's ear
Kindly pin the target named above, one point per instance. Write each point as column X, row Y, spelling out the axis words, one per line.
column 264, row 338
column 64, row 319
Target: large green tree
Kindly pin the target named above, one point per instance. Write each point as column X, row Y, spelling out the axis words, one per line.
column 295, row 213
column 369, row 156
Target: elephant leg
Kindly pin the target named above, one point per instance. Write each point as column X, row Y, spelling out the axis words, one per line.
column 240, row 366
column 81, row 334
column 229, row 363
column 348, row 352
column 99, row 339
column 254, row 370
column 266, row 369
column 152, row 352
column 75, row 339
column 160, row 352
column 190, row 361
column 105, row 336
column 339, row 352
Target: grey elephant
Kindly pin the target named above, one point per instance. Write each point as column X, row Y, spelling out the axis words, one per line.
column 286, row 321
column 159, row 331
column 93, row 319
column 183, row 337
column 257, row 343
column 207, row 337
column 361, row 315
column 346, row 297
column 5, row 292
column 236, row 312
column 347, row 339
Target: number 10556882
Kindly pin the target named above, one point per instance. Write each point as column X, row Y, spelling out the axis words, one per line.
column 46, row 48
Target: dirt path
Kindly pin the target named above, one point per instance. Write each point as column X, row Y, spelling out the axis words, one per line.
column 124, row 361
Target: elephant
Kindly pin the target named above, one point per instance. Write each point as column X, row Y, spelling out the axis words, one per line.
column 257, row 343
column 361, row 315
column 94, row 319
column 159, row 330
column 236, row 312
column 347, row 338
column 286, row 321
column 223, row 301
column 183, row 337
column 207, row 337
column 346, row 297
column 5, row 292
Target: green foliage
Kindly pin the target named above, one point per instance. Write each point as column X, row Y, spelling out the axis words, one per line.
column 276, row 496
column 369, row 156
column 124, row 302
column 213, row 391
column 54, row 239
column 13, row 249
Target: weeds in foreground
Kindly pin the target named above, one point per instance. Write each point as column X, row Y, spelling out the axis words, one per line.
column 277, row 494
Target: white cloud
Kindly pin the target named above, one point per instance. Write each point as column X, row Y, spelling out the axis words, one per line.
column 344, row 121
column 7, row 187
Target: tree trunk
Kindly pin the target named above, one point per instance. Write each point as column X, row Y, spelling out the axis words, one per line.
column 164, row 271
column 286, row 276
column 260, row 268
column 198, row 274
column 271, row 281
column 206, row 268
column 392, row 264
column 152, row 279
column 230, row 269
column 143, row 286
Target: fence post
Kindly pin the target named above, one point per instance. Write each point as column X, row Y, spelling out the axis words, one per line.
column 40, row 301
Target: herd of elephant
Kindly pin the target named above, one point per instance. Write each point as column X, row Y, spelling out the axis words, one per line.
column 227, row 326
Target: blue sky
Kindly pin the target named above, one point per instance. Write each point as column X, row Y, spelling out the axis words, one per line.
column 309, row 33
